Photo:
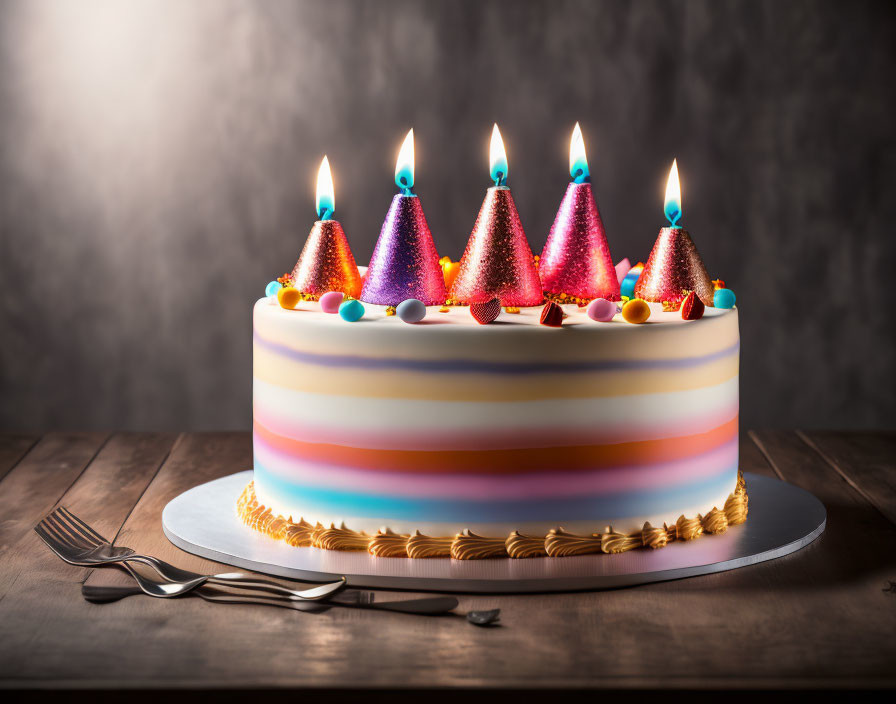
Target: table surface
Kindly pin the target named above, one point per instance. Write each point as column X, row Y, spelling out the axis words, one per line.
column 823, row 617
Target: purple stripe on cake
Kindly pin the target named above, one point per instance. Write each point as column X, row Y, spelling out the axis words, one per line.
column 487, row 367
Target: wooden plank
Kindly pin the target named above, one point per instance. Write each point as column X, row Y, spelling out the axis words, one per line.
column 13, row 447
column 41, row 594
column 866, row 461
column 816, row 618
column 30, row 490
column 752, row 459
column 103, row 495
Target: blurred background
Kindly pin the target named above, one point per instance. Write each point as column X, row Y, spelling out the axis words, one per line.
column 158, row 161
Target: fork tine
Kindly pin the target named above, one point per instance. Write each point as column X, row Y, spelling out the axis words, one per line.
column 52, row 522
column 75, row 526
column 84, row 527
column 52, row 542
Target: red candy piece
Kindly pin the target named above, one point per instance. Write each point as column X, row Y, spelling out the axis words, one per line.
column 552, row 315
column 692, row 307
column 484, row 313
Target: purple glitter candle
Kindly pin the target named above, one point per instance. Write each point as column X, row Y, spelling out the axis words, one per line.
column 576, row 259
column 405, row 263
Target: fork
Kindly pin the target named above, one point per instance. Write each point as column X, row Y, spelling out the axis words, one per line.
column 351, row 598
column 77, row 543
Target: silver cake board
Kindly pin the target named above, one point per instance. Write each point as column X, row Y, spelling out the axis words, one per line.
column 782, row 519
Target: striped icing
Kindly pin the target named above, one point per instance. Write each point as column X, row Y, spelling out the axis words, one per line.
column 449, row 425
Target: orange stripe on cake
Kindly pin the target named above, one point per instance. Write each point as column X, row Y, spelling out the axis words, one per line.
column 513, row 461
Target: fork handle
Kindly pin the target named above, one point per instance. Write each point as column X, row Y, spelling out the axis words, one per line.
column 235, row 579
column 226, row 579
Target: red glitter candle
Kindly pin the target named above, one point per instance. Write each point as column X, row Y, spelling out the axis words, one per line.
column 674, row 266
column 326, row 262
column 498, row 262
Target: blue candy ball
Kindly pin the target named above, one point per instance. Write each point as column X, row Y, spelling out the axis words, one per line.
column 724, row 298
column 351, row 311
column 272, row 288
column 411, row 310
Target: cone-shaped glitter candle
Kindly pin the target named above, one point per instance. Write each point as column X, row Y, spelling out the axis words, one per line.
column 326, row 262
column 576, row 261
column 498, row 262
column 405, row 263
column 674, row 266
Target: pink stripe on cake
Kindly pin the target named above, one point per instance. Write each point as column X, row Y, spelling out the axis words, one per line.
column 602, row 433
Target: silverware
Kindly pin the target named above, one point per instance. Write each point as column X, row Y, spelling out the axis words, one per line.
column 78, row 544
column 103, row 595
column 484, row 618
column 350, row 598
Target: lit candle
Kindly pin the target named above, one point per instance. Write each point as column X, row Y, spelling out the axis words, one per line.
column 326, row 263
column 575, row 265
column 497, row 262
column 672, row 205
column 405, row 263
column 674, row 267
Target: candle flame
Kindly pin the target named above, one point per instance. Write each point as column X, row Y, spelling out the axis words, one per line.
column 578, row 161
column 404, row 165
column 325, row 199
column 673, row 195
column 497, row 158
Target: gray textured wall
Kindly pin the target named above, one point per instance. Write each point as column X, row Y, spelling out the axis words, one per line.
column 157, row 163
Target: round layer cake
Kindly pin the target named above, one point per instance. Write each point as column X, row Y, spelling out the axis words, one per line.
column 512, row 431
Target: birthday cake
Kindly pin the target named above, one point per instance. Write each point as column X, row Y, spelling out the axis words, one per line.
column 413, row 416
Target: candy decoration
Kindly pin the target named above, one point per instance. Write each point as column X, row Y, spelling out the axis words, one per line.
column 673, row 269
column 351, row 311
column 497, row 262
column 692, row 307
column 484, row 313
column 622, row 268
column 627, row 287
column 576, row 257
column 288, row 297
column 551, row 315
column 411, row 310
column 602, row 310
column 405, row 263
column 636, row 311
column 326, row 262
column 724, row 298
column 330, row 301
column 272, row 288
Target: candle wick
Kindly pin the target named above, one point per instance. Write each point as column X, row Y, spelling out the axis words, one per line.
column 499, row 178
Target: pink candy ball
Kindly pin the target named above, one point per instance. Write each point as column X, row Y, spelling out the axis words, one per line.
column 602, row 310
column 330, row 301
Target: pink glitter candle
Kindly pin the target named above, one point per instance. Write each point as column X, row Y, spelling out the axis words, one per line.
column 576, row 259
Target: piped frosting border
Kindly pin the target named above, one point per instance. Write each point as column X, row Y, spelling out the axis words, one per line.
column 470, row 546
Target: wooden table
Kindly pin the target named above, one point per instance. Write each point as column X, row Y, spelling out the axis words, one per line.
column 823, row 617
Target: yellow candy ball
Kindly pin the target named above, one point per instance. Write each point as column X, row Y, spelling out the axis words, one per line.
column 288, row 297
column 636, row 311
